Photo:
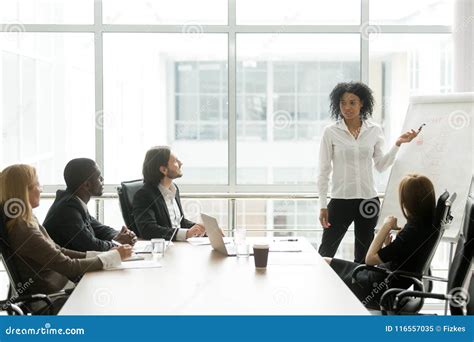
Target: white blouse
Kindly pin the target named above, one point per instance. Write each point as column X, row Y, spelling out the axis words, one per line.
column 351, row 161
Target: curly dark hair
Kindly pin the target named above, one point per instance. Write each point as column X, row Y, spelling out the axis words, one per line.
column 357, row 88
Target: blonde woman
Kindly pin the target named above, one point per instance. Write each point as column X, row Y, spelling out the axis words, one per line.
column 41, row 263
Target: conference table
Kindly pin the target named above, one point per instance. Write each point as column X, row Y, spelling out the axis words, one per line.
column 196, row 280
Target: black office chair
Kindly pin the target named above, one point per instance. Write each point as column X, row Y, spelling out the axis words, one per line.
column 460, row 270
column 420, row 282
column 126, row 192
column 18, row 303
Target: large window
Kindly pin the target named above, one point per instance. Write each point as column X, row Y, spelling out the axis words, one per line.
column 201, row 101
column 16, row 13
column 408, row 12
column 239, row 92
column 165, row 89
column 46, row 100
column 190, row 13
column 283, row 86
column 298, row 12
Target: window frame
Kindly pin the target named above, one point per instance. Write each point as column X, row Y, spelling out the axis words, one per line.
column 98, row 28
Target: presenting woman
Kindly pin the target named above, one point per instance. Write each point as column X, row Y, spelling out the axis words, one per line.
column 408, row 252
column 41, row 264
column 350, row 148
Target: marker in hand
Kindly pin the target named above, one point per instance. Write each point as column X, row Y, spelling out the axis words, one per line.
column 419, row 129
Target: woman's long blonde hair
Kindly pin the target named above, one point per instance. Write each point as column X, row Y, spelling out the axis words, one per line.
column 15, row 181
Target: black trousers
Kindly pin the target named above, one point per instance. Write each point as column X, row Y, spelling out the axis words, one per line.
column 341, row 213
column 368, row 287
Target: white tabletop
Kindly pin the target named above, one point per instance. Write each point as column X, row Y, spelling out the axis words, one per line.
column 195, row 280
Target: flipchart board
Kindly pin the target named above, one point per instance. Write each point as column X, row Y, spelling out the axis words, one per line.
column 443, row 151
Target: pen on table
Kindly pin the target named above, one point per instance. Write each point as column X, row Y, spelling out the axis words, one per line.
column 286, row 240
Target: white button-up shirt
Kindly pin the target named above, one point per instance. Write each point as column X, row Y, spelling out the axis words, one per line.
column 169, row 195
column 351, row 161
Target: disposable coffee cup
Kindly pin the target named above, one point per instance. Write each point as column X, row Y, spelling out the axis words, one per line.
column 260, row 255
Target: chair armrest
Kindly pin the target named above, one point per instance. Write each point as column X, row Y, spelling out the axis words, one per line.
column 385, row 304
column 5, row 305
column 391, row 299
column 413, row 277
column 15, row 302
column 360, row 268
column 419, row 276
column 39, row 297
column 65, row 292
column 405, row 274
column 429, row 277
column 417, row 294
column 33, row 298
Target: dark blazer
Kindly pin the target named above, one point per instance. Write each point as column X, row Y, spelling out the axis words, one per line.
column 151, row 215
column 71, row 226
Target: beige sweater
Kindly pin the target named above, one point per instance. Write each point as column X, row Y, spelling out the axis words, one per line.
column 43, row 266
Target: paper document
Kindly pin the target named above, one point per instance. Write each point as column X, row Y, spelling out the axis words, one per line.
column 144, row 246
column 137, row 264
column 134, row 257
column 200, row 241
column 285, row 247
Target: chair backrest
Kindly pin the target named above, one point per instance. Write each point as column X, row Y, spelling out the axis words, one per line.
column 126, row 192
column 460, row 267
column 441, row 220
column 7, row 255
column 470, row 304
column 468, row 229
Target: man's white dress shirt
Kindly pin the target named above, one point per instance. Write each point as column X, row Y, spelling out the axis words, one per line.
column 169, row 195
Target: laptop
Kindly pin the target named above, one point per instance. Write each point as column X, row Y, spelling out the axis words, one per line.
column 217, row 241
column 215, row 236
